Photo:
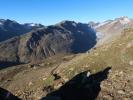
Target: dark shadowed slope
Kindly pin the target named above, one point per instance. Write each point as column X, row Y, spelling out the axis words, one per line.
column 10, row 28
column 65, row 37
column 7, row 64
column 81, row 87
column 6, row 95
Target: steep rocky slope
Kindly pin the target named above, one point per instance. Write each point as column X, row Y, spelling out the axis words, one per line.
column 64, row 37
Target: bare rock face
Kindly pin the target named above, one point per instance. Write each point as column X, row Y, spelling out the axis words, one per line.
column 65, row 37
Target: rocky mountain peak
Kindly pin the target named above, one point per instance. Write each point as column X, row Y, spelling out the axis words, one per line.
column 93, row 24
column 123, row 20
column 67, row 23
column 33, row 25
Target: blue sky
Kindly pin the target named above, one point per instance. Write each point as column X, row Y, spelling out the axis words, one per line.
column 53, row 11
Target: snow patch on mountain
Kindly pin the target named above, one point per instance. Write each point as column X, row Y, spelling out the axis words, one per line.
column 99, row 35
column 31, row 24
column 124, row 20
column 74, row 24
column 102, row 24
column 1, row 23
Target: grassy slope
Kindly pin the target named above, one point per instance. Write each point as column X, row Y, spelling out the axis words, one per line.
column 116, row 54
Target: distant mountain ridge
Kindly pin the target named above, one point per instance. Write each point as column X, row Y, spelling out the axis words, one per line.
column 112, row 29
column 11, row 28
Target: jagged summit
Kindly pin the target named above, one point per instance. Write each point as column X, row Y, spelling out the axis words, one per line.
column 67, row 23
column 112, row 29
column 122, row 17
column 123, row 20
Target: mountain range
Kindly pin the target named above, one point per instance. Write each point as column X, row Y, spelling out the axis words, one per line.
column 67, row 61
column 40, row 43
column 28, row 43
